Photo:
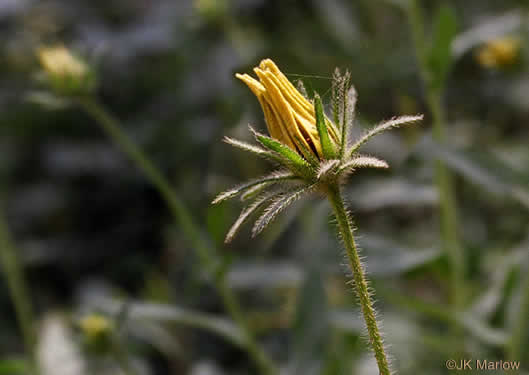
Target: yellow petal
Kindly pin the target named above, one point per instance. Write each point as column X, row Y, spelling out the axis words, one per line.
column 282, row 108
column 269, row 65
column 278, row 132
column 252, row 83
column 295, row 99
column 300, row 104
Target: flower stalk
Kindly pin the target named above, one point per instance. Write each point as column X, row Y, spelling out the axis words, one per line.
column 18, row 290
column 345, row 226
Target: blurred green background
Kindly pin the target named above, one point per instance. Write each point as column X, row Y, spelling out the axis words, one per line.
column 91, row 230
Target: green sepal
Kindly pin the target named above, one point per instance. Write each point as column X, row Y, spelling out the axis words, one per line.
column 273, row 177
column 327, row 146
column 293, row 160
column 307, row 154
column 281, row 202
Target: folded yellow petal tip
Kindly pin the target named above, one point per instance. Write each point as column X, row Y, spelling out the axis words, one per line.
column 292, row 122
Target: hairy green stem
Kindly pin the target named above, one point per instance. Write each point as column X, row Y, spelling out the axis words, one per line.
column 13, row 273
column 113, row 129
column 520, row 327
column 443, row 177
column 345, row 226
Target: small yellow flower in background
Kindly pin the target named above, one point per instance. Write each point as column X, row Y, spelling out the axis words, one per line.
column 499, row 52
column 66, row 73
column 58, row 61
column 289, row 116
column 95, row 326
column 211, row 9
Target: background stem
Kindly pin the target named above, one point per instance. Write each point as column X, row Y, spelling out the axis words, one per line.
column 112, row 128
column 443, row 176
column 17, row 288
column 360, row 283
column 448, row 209
column 122, row 357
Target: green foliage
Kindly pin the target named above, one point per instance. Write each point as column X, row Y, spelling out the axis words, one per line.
column 310, row 326
column 14, row 367
column 439, row 57
column 216, row 223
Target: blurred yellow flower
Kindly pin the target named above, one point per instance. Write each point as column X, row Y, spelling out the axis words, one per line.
column 65, row 73
column 211, row 8
column 95, row 326
column 499, row 52
column 59, row 62
column 289, row 116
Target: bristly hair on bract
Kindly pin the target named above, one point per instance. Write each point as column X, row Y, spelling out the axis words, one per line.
column 302, row 170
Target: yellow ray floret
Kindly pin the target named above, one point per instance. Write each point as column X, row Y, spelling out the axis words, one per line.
column 289, row 116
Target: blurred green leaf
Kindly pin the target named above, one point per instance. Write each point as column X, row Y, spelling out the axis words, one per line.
column 517, row 314
column 490, row 174
column 477, row 328
column 340, row 354
column 157, row 287
column 216, row 223
column 48, row 100
column 439, row 57
column 137, row 312
column 14, row 366
column 387, row 258
column 386, row 193
column 401, row 4
column 310, row 326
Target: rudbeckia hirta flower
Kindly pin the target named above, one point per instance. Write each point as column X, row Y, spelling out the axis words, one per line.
column 66, row 73
column 58, row 61
column 499, row 52
column 314, row 155
column 94, row 326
